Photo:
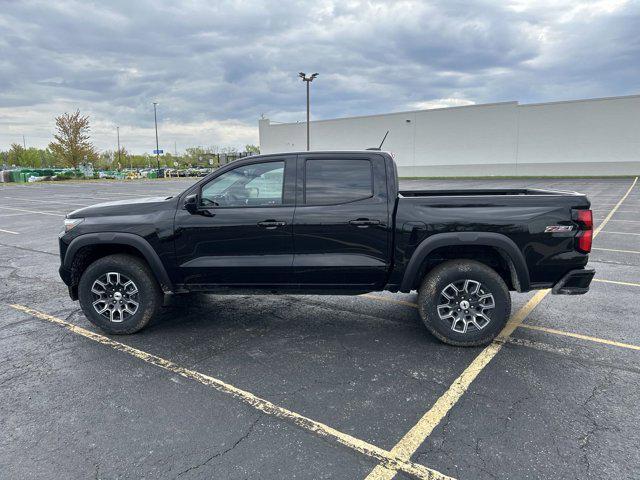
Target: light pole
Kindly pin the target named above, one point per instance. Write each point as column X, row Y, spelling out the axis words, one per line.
column 155, row 119
column 118, row 133
column 307, row 80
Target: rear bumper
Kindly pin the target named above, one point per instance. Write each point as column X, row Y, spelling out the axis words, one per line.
column 576, row 282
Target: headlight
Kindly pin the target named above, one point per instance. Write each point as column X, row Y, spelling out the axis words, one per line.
column 70, row 223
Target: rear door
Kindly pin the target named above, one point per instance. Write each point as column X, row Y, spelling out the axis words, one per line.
column 341, row 224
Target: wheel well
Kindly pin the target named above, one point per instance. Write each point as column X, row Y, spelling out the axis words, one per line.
column 88, row 254
column 490, row 256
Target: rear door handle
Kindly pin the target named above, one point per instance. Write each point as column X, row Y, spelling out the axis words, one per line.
column 271, row 224
column 363, row 222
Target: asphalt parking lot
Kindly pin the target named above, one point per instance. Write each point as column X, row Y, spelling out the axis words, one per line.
column 313, row 387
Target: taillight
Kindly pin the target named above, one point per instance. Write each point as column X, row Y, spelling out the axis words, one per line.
column 586, row 218
column 585, row 234
column 584, row 241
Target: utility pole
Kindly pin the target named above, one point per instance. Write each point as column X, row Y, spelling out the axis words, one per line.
column 307, row 80
column 155, row 118
column 24, row 143
column 118, row 132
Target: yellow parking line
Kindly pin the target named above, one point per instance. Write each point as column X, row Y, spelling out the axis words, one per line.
column 580, row 336
column 616, row 282
column 534, row 327
column 407, row 446
column 614, row 250
column 614, row 209
column 317, row 428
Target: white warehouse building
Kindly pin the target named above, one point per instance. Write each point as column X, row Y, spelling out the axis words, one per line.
column 598, row 136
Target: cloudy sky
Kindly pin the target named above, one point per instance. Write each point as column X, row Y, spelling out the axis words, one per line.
column 216, row 66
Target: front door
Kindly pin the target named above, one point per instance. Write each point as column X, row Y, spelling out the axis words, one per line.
column 342, row 223
column 241, row 234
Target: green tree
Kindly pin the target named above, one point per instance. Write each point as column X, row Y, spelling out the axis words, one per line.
column 32, row 157
column 105, row 160
column 252, row 149
column 193, row 154
column 16, row 155
column 48, row 158
column 72, row 142
column 122, row 160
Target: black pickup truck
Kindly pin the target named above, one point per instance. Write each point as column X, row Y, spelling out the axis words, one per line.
column 328, row 223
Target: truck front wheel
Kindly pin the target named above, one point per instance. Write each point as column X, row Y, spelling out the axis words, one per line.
column 464, row 303
column 119, row 294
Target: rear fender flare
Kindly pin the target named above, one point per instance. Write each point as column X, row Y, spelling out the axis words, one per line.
column 505, row 246
column 119, row 238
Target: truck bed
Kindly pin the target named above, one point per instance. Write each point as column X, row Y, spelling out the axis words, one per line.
column 483, row 192
column 520, row 214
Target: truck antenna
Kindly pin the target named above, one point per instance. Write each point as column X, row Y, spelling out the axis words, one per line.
column 383, row 139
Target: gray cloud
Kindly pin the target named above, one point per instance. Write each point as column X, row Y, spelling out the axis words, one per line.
column 215, row 67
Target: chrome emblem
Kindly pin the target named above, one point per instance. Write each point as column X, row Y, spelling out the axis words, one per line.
column 558, row 228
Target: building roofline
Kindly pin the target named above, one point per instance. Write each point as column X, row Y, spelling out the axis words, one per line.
column 409, row 112
column 598, row 99
column 406, row 112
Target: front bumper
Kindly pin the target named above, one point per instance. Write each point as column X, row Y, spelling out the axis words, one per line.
column 65, row 275
column 576, row 282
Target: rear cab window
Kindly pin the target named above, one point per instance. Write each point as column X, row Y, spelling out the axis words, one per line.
column 330, row 182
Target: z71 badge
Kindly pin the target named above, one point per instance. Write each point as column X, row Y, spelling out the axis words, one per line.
column 558, row 228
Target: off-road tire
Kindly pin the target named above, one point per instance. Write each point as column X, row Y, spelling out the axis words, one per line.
column 149, row 296
column 450, row 272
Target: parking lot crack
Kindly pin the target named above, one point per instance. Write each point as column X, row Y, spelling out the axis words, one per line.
column 221, row 453
column 16, row 323
column 596, row 425
column 32, row 250
column 334, row 308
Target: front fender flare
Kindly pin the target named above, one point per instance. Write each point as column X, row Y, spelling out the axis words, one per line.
column 120, row 238
column 504, row 244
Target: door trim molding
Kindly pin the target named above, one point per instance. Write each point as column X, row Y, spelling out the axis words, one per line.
column 231, row 261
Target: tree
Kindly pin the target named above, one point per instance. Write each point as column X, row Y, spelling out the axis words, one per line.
column 32, row 157
column 252, row 149
column 72, row 143
column 16, row 154
column 122, row 160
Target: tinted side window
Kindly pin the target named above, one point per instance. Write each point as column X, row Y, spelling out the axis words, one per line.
column 337, row 181
column 259, row 184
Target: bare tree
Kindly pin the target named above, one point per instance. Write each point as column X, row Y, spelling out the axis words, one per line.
column 72, row 139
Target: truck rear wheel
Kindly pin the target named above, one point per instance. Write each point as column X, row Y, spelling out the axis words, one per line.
column 464, row 303
column 119, row 294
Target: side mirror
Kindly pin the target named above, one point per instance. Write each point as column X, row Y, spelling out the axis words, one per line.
column 191, row 203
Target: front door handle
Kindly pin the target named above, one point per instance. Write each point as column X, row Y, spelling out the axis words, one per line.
column 271, row 224
column 363, row 222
